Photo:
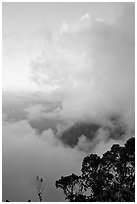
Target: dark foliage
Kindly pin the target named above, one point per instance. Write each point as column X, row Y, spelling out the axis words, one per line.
column 110, row 178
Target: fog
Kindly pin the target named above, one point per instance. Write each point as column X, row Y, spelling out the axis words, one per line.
column 84, row 71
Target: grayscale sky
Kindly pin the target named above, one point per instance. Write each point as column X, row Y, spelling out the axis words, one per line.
column 64, row 64
column 25, row 26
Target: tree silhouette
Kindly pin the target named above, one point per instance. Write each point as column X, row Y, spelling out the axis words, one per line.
column 110, row 178
column 39, row 182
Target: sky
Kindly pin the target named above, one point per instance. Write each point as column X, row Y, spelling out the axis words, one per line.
column 66, row 66
column 26, row 27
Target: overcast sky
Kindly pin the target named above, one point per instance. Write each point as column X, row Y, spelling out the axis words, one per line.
column 28, row 26
column 81, row 59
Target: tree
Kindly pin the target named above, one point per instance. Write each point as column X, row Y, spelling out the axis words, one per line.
column 39, row 182
column 110, row 178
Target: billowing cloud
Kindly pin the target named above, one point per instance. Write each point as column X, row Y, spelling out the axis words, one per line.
column 91, row 62
column 103, row 139
column 85, row 72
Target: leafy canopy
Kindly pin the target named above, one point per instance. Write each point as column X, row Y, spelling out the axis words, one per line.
column 110, row 178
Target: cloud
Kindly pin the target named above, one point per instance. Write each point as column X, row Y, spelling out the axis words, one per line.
column 102, row 140
column 49, row 137
column 88, row 146
column 42, row 117
column 88, row 71
column 25, row 155
column 92, row 63
column 86, row 16
column 84, row 144
column 35, row 111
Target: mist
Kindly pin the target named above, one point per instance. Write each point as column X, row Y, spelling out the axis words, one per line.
column 43, row 156
column 91, row 63
column 69, row 90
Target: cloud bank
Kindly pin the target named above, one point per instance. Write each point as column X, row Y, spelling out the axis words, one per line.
column 91, row 62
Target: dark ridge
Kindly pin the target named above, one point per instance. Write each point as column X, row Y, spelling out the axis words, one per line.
column 118, row 130
column 71, row 136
